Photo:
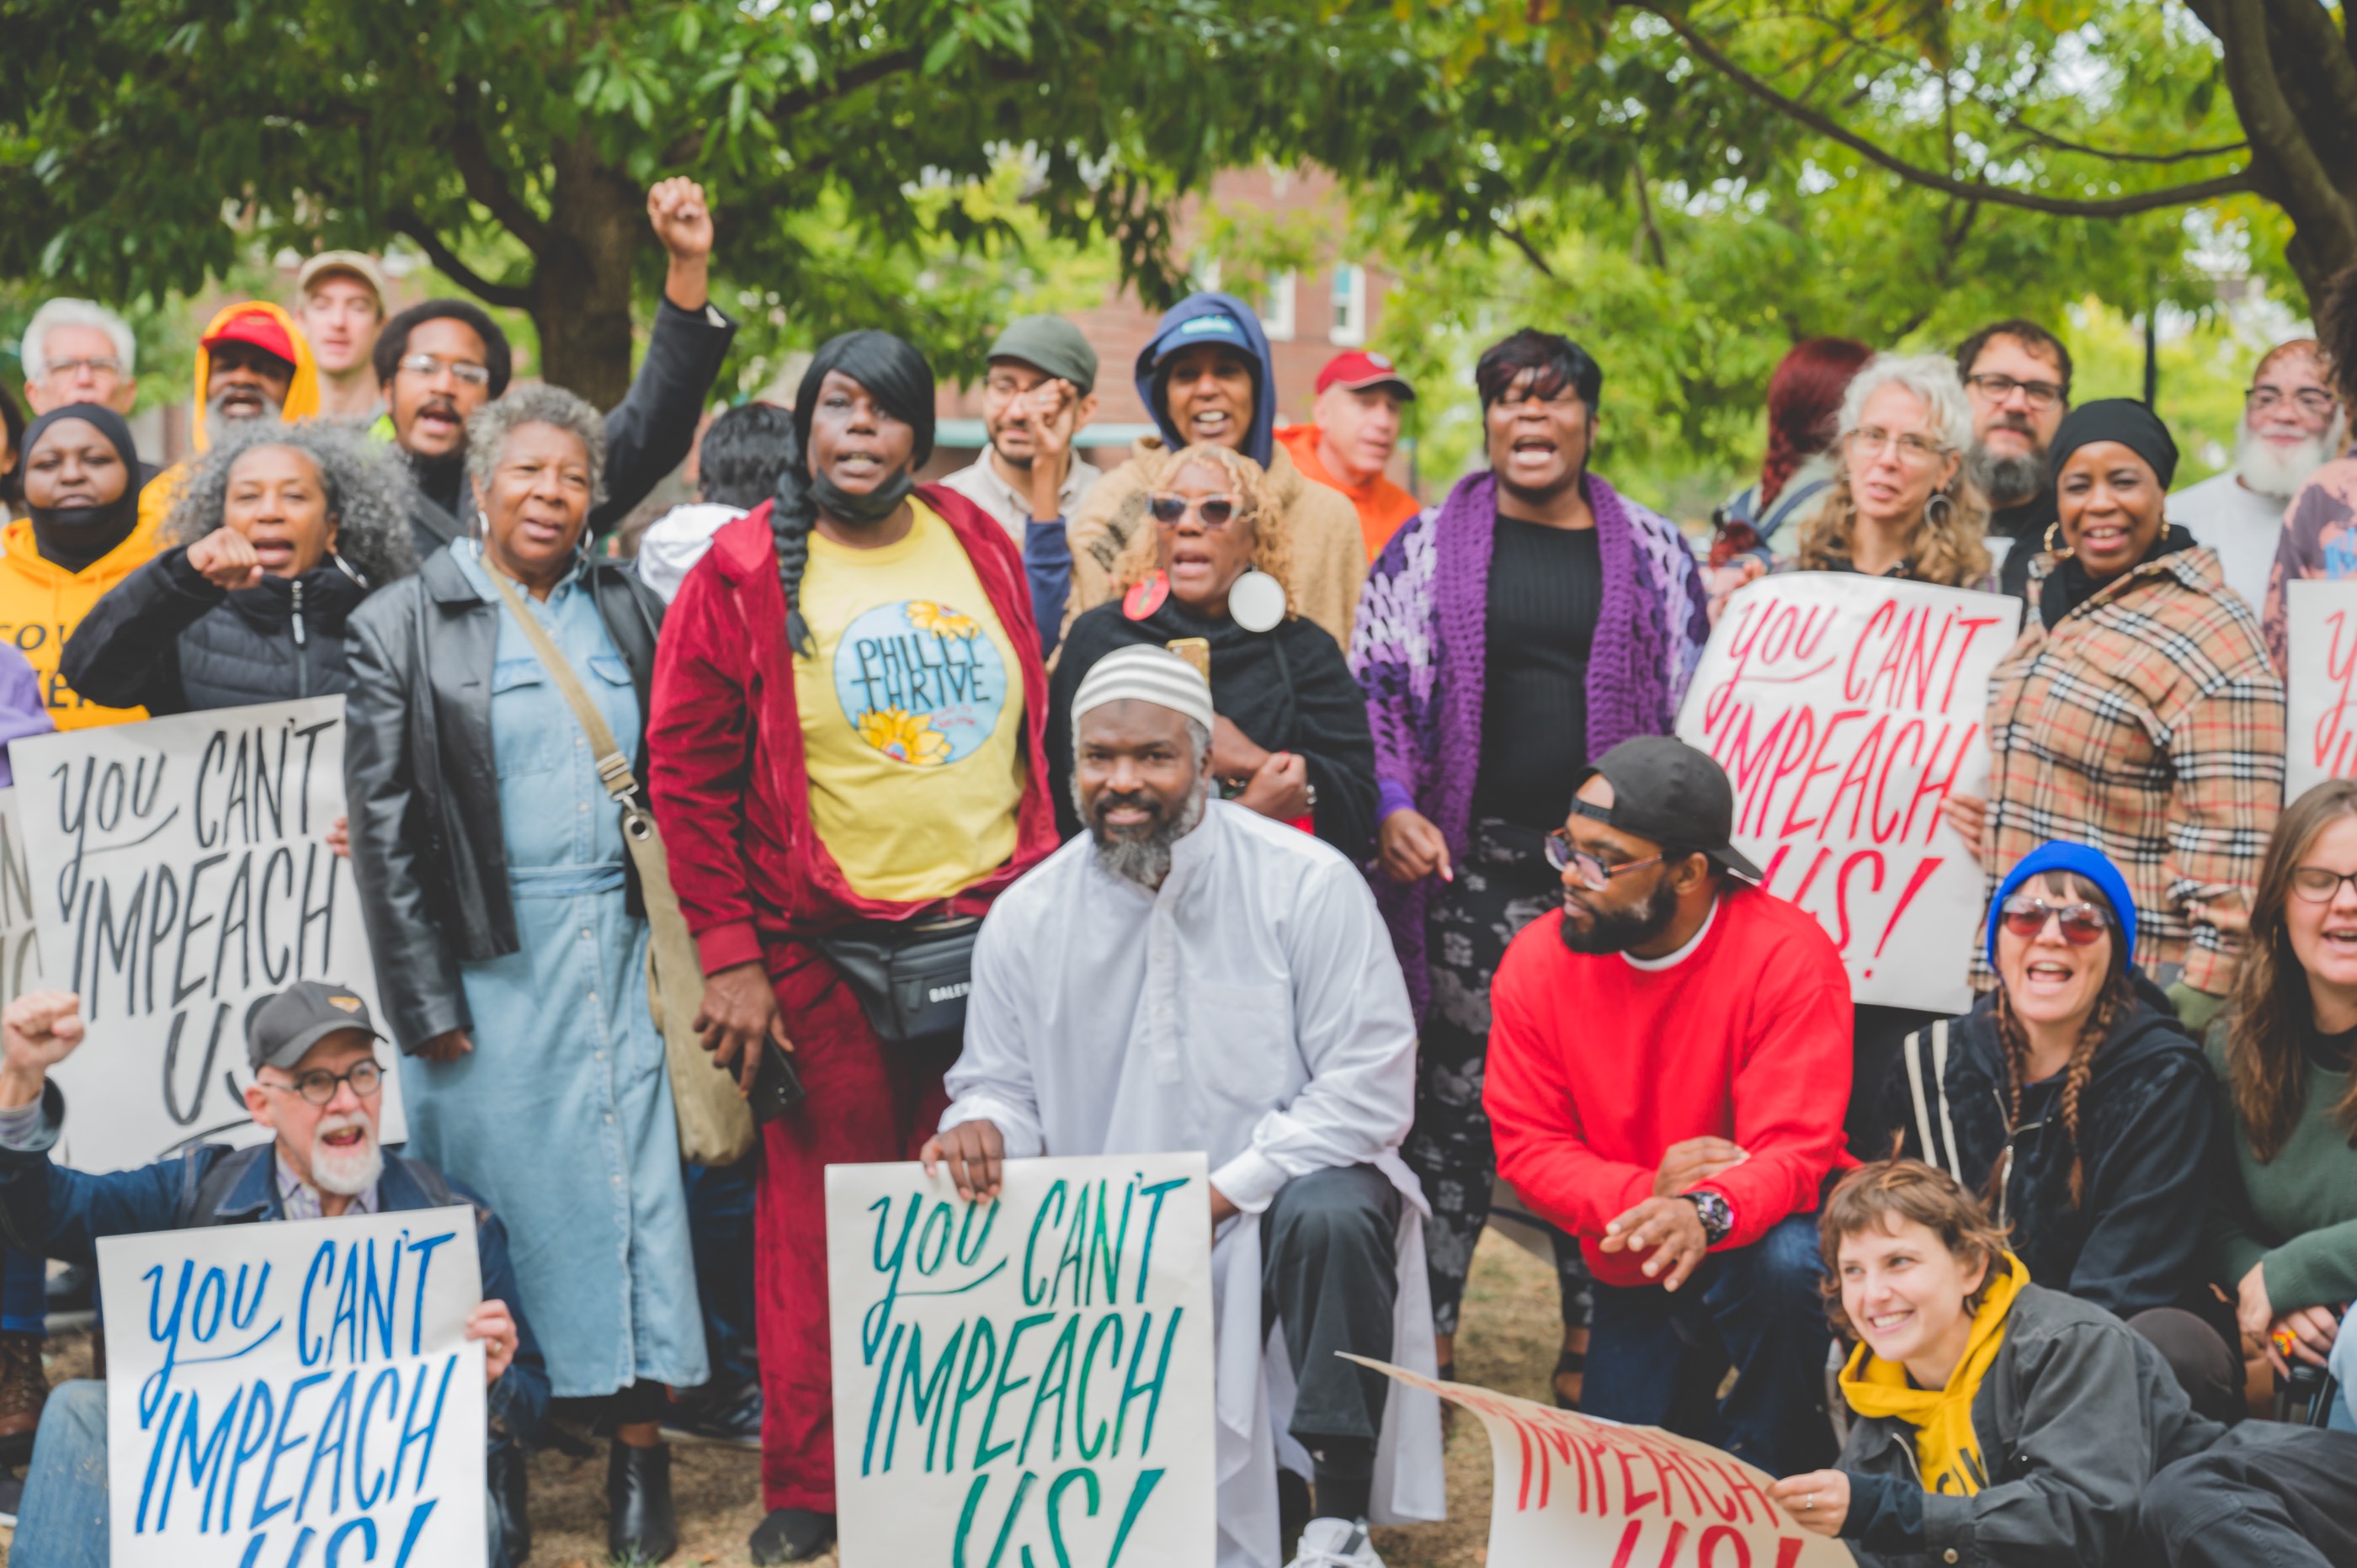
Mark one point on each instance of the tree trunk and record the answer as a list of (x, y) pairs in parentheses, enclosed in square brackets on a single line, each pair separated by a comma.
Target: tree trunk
[(581, 289)]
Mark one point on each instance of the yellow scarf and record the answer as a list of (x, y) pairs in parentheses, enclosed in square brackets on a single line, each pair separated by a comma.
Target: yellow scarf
[(1943, 1418)]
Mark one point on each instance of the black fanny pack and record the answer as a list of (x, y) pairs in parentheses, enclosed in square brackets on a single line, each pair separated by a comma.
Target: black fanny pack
[(911, 977)]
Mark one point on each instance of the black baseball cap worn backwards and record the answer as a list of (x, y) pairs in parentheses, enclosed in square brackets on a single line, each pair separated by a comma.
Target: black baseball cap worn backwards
[(1665, 790)]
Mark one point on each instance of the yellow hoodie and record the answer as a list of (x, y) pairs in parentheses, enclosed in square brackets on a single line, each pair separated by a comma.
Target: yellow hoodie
[(301, 402), (1946, 1443), (41, 602)]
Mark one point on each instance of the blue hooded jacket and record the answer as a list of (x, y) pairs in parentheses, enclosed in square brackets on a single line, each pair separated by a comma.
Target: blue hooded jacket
[(1209, 317)]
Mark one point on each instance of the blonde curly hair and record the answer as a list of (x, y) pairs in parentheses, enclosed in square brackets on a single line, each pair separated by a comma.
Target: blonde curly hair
[(1272, 541), (1947, 548)]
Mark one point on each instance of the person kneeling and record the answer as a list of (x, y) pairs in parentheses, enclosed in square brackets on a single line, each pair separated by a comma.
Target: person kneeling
[(1223, 982), (318, 1088)]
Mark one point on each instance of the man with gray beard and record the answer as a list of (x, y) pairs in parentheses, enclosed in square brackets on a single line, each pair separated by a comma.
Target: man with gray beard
[(2018, 376), (1190, 974), (318, 1089), (2292, 425)]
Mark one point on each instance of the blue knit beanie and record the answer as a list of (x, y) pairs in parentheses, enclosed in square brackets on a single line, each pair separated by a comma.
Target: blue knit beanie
[(2087, 862)]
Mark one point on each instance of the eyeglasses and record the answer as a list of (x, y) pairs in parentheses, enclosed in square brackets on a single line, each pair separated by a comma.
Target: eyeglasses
[(1996, 389), (1911, 448), (2314, 400), (318, 1086), (467, 371), (1593, 874), (2317, 886), (2083, 924), (96, 366), (1217, 512)]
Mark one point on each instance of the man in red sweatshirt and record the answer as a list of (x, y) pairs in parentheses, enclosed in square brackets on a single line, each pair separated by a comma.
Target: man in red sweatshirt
[(1669, 1063)]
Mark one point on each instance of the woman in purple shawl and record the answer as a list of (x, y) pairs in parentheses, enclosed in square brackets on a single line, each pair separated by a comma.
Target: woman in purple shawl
[(1533, 621)]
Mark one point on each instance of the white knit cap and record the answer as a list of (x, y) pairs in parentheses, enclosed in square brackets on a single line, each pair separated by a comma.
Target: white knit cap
[(1147, 674)]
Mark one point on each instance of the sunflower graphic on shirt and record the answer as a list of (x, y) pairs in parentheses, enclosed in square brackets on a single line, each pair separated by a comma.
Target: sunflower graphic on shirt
[(904, 736), (940, 619), (920, 682)]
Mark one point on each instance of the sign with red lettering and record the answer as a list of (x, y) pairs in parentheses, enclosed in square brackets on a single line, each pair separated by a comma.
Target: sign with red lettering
[(1565, 1487), (2319, 684), (1845, 709)]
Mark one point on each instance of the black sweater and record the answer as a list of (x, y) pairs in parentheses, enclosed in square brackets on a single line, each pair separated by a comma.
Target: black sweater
[(1287, 689)]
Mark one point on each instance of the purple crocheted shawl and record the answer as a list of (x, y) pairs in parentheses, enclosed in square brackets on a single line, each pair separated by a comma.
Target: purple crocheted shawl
[(1419, 649)]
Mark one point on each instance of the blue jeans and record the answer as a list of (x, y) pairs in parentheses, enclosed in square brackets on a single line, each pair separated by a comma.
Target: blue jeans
[(24, 1293), (1656, 1357), (63, 1520)]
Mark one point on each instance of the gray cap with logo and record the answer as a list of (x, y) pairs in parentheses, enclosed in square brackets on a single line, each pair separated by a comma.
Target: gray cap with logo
[(278, 1032)]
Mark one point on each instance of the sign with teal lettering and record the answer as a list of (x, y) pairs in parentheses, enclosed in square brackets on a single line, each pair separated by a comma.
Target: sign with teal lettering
[(280, 1396), (1024, 1383)]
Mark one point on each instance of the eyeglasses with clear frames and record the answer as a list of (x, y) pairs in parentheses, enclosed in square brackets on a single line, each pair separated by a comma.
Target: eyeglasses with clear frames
[(96, 364), (1997, 388), (467, 371), (2314, 402), (1910, 447)]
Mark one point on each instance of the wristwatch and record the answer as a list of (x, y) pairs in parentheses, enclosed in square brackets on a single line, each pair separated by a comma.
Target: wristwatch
[(1718, 1215)]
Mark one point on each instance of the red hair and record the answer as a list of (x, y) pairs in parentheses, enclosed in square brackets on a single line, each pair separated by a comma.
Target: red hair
[(1804, 396)]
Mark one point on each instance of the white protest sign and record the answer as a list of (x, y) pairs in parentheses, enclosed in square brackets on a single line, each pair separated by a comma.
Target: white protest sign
[(295, 1393), (1845, 709), (2321, 658), (1026, 1380), (20, 947), (1566, 1487), (179, 876)]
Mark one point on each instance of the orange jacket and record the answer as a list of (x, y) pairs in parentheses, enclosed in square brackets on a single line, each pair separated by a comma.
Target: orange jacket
[(302, 403), (41, 602), (1382, 506)]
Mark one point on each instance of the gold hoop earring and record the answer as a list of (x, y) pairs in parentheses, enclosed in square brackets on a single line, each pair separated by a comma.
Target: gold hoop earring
[(2052, 530)]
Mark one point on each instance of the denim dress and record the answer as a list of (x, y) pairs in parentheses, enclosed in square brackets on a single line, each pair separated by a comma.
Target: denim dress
[(561, 1115)]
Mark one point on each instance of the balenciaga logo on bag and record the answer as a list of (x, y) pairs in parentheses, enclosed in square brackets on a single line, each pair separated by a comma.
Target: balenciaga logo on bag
[(948, 993)]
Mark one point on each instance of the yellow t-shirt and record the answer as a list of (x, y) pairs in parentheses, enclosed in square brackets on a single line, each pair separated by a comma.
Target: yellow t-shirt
[(911, 715)]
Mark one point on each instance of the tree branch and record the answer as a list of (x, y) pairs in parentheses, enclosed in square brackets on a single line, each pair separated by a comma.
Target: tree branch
[(1970, 190), (407, 221), (2306, 23), (1651, 231), (485, 184), (803, 100), (2191, 154), (2312, 200), (1513, 231)]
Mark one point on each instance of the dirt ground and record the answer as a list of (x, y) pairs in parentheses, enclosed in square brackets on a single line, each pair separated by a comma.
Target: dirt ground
[(1509, 1343)]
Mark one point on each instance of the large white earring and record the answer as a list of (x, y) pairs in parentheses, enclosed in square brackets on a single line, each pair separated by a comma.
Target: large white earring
[(1256, 601)]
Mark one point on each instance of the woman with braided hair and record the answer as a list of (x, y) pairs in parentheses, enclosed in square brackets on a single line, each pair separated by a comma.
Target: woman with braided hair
[(844, 745), (2072, 1101)]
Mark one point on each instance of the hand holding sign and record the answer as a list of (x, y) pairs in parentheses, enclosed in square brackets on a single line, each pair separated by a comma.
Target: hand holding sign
[(975, 1153), (1817, 1501)]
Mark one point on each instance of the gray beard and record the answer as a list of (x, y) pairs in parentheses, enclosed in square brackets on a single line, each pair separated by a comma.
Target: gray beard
[(1144, 858), (2007, 481), (272, 409), (2277, 475)]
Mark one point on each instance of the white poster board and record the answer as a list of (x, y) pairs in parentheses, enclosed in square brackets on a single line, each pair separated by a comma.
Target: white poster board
[(296, 1393), (20, 945), (1026, 1379), (1568, 1489), (1845, 709), (180, 875), (2319, 684)]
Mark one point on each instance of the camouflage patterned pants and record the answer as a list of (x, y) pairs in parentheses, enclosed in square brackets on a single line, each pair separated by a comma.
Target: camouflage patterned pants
[(1504, 884)]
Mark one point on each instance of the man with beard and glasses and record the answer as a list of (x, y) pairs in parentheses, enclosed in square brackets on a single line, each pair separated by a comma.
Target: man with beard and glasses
[(2292, 425), (1224, 982), (2319, 527), (2018, 376), (253, 362), (317, 1089), (1669, 1066)]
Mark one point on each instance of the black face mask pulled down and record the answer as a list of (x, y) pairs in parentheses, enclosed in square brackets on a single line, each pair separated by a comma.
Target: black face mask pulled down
[(76, 537), (866, 510)]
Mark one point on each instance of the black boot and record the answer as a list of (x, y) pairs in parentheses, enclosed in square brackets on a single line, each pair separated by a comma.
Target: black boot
[(640, 1521), (790, 1535), (510, 1489)]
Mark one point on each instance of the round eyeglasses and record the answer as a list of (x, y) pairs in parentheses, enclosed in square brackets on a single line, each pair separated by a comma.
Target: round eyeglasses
[(318, 1086)]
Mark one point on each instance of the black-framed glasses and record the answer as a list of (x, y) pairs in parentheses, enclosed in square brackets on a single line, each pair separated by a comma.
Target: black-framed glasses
[(2314, 402), (1996, 389), (2081, 924), (2316, 885), (467, 371), (318, 1086), (1217, 512), (1593, 874)]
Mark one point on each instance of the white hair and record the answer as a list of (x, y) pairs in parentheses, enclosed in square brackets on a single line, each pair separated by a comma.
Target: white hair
[(60, 313), (1932, 378)]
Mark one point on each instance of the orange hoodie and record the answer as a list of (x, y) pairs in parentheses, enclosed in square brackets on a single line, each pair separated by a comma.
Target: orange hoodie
[(1382, 506), (301, 402), (41, 602)]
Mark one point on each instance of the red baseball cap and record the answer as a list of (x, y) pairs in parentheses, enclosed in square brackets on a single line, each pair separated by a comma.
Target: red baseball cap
[(1359, 370), (259, 328)]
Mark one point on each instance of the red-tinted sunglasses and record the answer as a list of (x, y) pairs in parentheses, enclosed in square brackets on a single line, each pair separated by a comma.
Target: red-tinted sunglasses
[(2083, 924)]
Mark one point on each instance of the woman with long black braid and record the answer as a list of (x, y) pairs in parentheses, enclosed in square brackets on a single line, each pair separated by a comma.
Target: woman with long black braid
[(2073, 1102), (846, 734)]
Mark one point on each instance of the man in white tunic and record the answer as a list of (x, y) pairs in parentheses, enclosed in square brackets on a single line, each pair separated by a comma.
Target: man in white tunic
[(1191, 975)]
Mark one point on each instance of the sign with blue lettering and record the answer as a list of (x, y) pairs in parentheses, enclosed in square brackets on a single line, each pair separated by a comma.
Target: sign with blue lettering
[(1026, 1380), (179, 876), (296, 1393)]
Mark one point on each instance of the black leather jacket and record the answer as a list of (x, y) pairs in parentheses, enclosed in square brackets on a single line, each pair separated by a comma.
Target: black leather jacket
[(167, 640), (428, 848)]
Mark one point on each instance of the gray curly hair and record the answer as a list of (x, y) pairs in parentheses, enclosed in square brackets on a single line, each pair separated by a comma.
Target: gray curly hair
[(488, 429), (368, 488)]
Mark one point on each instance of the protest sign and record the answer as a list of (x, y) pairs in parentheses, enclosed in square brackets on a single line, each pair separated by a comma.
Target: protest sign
[(20, 947), (179, 876), (1027, 1379), (2321, 658), (1845, 709), (295, 1393), (1566, 1487)]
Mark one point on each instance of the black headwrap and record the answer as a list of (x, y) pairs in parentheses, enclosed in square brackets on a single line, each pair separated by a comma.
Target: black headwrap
[(896, 376), (75, 536), (2135, 427)]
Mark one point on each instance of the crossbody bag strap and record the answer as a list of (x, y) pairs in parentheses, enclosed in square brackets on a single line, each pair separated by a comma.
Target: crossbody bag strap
[(613, 767)]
